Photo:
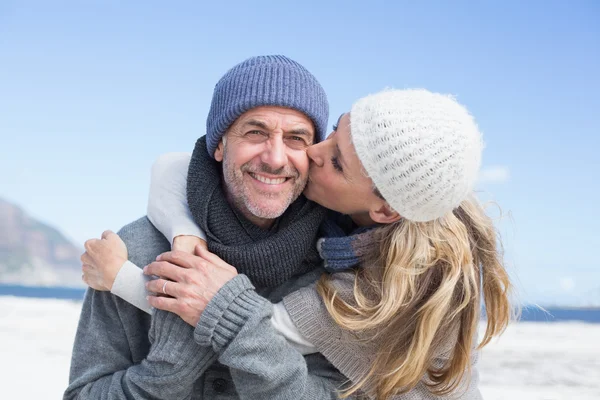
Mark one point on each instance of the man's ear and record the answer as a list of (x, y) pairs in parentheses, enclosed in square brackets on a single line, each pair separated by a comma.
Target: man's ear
[(219, 150), (384, 214)]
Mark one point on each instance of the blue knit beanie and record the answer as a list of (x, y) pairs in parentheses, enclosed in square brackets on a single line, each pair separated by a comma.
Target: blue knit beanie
[(265, 81)]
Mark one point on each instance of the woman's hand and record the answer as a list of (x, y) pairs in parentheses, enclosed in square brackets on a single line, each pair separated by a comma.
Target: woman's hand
[(188, 243), (190, 281), (102, 260)]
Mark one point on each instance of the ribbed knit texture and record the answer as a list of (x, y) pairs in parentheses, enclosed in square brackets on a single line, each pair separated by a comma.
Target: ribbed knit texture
[(173, 342), (268, 257), (341, 249), (265, 81), (113, 357), (352, 353), (226, 315), (421, 149), (121, 352), (348, 351)]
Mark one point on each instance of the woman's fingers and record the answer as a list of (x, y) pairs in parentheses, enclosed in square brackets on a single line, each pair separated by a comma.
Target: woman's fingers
[(89, 244), (91, 277), (115, 242), (86, 259), (180, 258), (187, 243), (213, 258)]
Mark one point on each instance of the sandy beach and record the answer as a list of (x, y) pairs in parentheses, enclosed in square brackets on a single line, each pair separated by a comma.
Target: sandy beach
[(533, 361)]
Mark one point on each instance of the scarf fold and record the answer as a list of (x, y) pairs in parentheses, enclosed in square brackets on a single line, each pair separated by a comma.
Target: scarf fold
[(343, 244), (268, 257)]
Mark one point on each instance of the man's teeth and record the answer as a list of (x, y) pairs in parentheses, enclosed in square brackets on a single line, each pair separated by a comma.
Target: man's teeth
[(268, 181)]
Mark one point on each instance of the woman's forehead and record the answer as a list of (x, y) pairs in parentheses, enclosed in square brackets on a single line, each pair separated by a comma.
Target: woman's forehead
[(337, 123), (346, 145)]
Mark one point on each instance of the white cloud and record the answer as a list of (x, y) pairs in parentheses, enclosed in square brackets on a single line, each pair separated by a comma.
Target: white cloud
[(496, 174), (567, 284)]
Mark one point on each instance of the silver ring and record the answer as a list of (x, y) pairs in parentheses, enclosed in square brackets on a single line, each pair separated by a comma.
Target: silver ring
[(164, 287)]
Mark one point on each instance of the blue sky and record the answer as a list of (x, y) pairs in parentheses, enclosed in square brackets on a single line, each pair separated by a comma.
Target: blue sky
[(91, 92)]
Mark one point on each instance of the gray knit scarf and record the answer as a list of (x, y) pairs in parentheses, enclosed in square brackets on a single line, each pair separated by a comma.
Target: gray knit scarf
[(268, 257)]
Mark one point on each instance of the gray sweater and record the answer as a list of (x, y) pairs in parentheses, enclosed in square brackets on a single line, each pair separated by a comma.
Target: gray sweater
[(121, 352), (352, 353)]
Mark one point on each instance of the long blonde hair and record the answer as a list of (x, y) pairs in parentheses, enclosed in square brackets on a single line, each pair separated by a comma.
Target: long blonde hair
[(431, 278)]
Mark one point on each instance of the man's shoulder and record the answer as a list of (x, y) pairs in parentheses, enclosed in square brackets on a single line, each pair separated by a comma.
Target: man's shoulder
[(144, 242)]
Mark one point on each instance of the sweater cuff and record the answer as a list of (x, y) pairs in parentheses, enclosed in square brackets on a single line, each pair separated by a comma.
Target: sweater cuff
[(130, 285), (300, 306), (171, 339), (227, 313), (174, 356)]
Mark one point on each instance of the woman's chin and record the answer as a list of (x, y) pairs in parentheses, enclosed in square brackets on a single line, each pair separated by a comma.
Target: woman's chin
[(309, 193), (312, 196)]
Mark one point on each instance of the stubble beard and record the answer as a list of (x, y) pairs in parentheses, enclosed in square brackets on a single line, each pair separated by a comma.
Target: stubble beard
[(240, 196)]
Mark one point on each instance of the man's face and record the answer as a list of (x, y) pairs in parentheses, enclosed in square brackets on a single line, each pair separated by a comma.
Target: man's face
[(265, 166)]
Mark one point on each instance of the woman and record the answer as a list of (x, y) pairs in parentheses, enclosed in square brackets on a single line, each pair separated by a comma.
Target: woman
[(417, 250)]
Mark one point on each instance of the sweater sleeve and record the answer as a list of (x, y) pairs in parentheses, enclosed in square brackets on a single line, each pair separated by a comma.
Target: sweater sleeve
[(130, 285), (167, 202), (102, 365), (283, 324), (351, 356), (236, 324), (120, 353)]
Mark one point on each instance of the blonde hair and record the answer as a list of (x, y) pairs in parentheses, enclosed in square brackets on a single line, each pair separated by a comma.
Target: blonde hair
[(430, 283)]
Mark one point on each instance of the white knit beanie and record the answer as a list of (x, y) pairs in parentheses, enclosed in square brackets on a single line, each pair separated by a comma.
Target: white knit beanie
[(421, 149)]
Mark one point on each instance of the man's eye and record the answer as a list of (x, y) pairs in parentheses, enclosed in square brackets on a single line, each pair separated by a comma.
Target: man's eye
[(255, 133), (296, 142)]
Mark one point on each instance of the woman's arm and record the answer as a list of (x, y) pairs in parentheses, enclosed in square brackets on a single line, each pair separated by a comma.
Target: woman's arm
[(167, 202), (106, 268), (168, 192), (169, 213), (349, 352)]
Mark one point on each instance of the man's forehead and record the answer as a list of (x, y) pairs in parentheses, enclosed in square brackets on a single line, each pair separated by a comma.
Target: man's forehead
[(276, 116)]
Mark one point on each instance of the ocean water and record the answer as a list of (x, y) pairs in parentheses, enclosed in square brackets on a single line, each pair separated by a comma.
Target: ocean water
[(556, 314), (529, 313), (64, 293)]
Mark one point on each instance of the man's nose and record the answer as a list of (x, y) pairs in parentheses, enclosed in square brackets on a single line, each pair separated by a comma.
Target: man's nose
[(275, 155)]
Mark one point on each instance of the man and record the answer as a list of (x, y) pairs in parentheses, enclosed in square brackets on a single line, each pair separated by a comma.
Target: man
[(244, 184)]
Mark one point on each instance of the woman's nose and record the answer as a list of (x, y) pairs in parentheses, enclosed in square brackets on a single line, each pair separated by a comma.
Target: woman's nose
[(315, 153)]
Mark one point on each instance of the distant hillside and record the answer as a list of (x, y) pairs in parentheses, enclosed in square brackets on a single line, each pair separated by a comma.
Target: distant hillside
[(33, 253)]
